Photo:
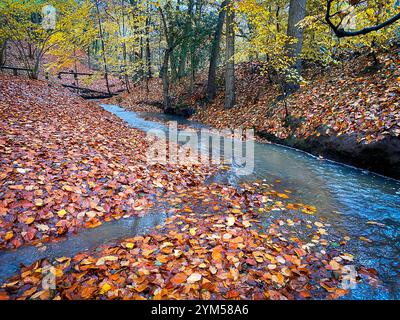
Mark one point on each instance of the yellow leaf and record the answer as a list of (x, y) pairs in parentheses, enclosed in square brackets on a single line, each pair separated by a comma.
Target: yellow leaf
[(67, 188), (9, 235), (347, 256), (365, 239), (105, 288), (129, 245), (258, 255), (246, 224), (30, 220), (39, 202), (61, 213), (102, 260)]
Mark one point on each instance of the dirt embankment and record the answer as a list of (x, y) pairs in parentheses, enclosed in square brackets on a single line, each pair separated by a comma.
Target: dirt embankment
[(381, 156), (350, 113)]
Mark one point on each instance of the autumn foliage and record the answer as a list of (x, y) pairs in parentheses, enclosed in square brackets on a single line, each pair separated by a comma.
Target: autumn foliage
[(67, 164)]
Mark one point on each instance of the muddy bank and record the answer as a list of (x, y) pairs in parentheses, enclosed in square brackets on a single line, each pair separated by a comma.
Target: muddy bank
[(381, 157)]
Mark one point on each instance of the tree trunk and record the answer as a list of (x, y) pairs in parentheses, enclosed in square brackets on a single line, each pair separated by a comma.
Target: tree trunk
[(192, 68), (297, 12), (174, 72), (89, 58), (165, 81), (184, 46), (230, 51), (215, 49), (3, 52), (75, 68), (36, 68), (182, 60), (148, 51), (103, 47)]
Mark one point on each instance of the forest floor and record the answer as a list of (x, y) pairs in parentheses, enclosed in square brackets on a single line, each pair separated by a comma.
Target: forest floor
[(66, 164), (349, 113)]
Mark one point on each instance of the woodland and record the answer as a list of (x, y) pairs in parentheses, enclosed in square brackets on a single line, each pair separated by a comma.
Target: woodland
[(318, 81)]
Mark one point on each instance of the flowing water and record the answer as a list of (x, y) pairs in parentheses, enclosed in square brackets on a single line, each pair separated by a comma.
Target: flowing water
[(347, 198), (85, 240)]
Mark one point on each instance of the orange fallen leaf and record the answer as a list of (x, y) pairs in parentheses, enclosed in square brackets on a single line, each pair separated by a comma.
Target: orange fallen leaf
[(178, 278)]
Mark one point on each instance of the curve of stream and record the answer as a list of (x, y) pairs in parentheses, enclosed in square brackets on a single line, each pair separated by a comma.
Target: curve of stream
[(354, 202)]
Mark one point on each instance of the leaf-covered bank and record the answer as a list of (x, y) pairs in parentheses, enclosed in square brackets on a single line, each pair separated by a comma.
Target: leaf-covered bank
[(68, 164)]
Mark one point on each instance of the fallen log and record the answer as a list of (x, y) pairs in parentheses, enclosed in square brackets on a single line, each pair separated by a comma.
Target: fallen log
[(90, 93)]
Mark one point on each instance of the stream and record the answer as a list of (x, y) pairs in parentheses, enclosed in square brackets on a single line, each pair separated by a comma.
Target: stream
[(356, 203), (347, 198)]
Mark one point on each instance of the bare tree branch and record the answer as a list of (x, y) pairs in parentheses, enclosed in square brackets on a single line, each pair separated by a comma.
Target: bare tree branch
[(341, 33)]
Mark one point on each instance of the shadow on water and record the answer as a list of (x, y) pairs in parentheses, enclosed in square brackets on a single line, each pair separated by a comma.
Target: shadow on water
[(347, 198)]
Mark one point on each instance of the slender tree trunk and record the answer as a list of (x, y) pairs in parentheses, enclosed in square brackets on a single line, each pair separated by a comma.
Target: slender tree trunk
[(148, 56), (3, 52), (230, 51), (184, 48), (125, 55), (89, 58), (215, 49), (103, 48), (297, 12), (165, 80), (124, 52), (76, 68), (174, 72), (36, 67), (192, 68), (182, 60), (30, 50), (148, 51), (164, 69)]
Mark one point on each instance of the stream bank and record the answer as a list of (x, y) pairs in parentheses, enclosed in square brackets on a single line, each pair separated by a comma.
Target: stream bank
[(348, 204), (382, 157), (357, 204)]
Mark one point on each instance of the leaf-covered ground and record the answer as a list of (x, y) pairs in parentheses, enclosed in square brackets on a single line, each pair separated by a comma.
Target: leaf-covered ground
[(142, 98), (351, 99), (67, 164), (212, 246)]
